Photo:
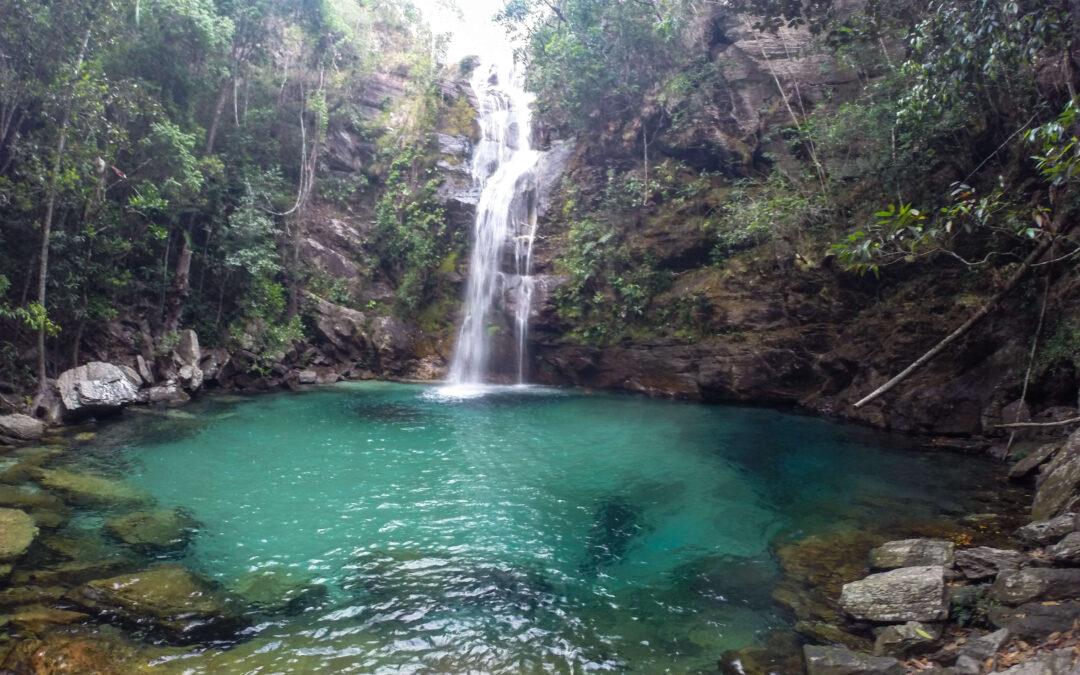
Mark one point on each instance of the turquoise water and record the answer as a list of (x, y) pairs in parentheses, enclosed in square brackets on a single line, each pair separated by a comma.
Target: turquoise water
[(526, 530)]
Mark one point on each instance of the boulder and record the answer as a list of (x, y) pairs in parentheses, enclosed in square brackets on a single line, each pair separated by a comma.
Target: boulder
[(169, 393), (87, 489), (17, 532), (1045, 532), (1034, 460), (912, 553), (837, 661), (1066, 551), (986, 646), (908, 639), (1058, 482), (36, 618), (191, 377), (95, 388), (1057, 662), (21, 427), (307, 377), (1035, 621), (154, 531), (905, 594), (187, 351), (279, 590), (183, 607), (821, 632), (983, 562), (1021, 586), (27, 499)]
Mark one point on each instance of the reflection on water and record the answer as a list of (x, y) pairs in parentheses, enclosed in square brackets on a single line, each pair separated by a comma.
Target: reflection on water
[(394, 528)]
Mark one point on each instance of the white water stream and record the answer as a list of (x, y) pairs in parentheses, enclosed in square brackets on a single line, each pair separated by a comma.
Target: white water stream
[(499, 270)]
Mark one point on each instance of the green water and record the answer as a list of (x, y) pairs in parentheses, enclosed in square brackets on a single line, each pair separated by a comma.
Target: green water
[(525, 530)]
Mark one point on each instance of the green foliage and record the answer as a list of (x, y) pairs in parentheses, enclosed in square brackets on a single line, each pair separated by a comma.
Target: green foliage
[(758, 211), (1063, 346)]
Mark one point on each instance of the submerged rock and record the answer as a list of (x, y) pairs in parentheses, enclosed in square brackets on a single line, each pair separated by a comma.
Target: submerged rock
[(35, 618), (821, 632), (837, 661), (279, 590), (154, 531), (912, 553), (22, 498), (21, 427), (615, 524), (906, 594), (17, 532), (87, 489), (96, 388), (184, 607)]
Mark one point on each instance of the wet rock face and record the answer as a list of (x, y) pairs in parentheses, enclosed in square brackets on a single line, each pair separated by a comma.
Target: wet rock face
[(182, 606), (912, 553), (837, 661), (906, 594), (17, 532), (96, 388), (21, 427)]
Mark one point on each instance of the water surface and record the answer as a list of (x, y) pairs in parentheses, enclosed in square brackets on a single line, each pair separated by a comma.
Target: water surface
[(526, 530)]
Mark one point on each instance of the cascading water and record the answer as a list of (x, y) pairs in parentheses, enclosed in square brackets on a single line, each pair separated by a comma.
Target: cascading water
[(503, 170)]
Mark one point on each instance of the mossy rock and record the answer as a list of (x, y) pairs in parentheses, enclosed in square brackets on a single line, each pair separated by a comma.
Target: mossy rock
[(152, 532), (87, 489), (17, 532), (279, 590), (181, 606)]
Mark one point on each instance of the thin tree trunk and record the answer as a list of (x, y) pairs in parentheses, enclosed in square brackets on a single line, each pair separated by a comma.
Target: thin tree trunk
[(50, 204), (219, 108), (992, 304), (181, 288)]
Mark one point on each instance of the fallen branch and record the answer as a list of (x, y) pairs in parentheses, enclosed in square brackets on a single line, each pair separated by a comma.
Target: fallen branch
[(1032, 425), (1013, 281)]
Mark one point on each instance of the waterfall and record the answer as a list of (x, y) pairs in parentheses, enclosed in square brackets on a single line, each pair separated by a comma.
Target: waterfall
[(503, 170)]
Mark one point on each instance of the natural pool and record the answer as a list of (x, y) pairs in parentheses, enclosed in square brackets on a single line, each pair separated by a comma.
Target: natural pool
[(526, 530)]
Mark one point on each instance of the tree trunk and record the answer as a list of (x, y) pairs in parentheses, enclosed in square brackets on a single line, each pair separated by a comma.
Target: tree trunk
[(219, 108), (181, 288), (50, 205)]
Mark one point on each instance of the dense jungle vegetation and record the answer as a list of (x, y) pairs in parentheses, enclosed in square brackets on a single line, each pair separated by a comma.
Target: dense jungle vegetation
[(158, 157)]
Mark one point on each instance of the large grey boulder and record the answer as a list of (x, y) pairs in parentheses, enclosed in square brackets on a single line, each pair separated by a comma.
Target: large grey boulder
[(838, 661), (1066, 551), (1059, 482), (912, 553), (983, 562), (95, 388), (906, 594), (985, 646), (1034, 460), (21, 427), (1043, 532), (1016, 588)]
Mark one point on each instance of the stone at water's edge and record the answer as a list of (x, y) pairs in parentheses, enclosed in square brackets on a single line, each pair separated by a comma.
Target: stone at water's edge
[(906, 594), (1037, 458), (1035, 621), (17, 532), (1043, 532), (983, 562), (1059, 482), (21, 427), (912, 553), (186, 608), (1017, 587), (905, 640), (96, 388), (837, 661)]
